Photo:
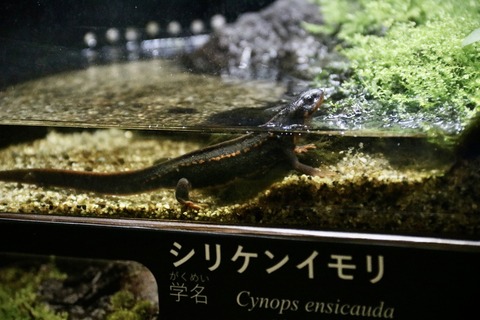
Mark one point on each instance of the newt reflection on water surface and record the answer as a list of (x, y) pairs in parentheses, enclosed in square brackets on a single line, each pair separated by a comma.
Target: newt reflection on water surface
[(213, 165)]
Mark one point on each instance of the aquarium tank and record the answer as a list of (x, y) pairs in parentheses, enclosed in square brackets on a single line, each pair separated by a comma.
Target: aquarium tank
[(150, 149)]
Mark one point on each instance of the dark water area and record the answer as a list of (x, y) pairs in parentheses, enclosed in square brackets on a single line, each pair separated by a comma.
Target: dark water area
[(48, 36)]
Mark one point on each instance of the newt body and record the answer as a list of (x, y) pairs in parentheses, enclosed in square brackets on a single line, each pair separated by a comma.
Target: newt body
[(213, 165)]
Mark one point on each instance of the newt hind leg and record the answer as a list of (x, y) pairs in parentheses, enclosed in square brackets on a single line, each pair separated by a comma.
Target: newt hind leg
[(304, 148), (182, 194)]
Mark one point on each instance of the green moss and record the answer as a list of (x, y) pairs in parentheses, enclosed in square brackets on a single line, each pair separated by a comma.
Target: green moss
[(18, 293), (408, 54)]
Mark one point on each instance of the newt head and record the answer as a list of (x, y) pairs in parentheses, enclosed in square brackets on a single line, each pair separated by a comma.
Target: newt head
[(299, 112)]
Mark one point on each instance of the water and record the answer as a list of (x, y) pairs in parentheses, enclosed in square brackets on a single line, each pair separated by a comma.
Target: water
[(151, 94), (159, 95)]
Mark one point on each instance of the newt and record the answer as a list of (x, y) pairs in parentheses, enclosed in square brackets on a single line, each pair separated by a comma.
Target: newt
[(214, 165)]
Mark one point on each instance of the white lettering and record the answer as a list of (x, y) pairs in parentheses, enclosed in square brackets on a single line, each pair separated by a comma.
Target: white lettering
[(250, 302), (246, 300), (341, 308), (239, 296)]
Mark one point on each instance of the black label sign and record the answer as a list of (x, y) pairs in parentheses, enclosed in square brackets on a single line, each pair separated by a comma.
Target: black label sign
[(218, 272), (265, 278)]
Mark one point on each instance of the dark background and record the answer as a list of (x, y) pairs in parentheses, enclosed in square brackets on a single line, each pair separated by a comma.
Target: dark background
[(45, 36), (65, 22)]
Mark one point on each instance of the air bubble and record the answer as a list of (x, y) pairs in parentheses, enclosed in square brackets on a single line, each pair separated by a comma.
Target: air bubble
[(132, 34), (197, 26), (174, 28), (90, 39), (217, 22), (152, 29), (112, 35)]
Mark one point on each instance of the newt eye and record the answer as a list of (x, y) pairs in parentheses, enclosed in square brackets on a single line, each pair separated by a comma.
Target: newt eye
[(308, 99)]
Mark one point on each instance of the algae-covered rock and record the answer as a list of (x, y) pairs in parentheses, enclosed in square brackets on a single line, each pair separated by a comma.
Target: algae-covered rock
[(19, 292)]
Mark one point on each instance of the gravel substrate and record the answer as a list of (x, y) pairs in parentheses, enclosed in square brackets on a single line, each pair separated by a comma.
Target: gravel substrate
[(369, 186)]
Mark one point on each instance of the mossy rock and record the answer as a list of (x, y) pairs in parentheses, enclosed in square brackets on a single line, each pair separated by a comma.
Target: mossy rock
[(409, 66)]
